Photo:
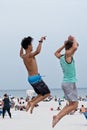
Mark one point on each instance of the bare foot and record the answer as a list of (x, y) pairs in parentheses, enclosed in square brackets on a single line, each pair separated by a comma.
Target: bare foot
[(28, 105), (32, 107), (55, 121)]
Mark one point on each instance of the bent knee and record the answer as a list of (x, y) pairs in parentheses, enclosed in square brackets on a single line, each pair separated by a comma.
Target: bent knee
[(75, 104)]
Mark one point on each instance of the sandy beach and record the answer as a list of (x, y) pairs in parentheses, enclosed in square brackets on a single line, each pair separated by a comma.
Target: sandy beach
[(41, 119)]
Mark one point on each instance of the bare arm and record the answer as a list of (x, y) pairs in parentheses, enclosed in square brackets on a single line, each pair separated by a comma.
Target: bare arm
[(74, 47), (21, 52), (58, 52), (38, 49)]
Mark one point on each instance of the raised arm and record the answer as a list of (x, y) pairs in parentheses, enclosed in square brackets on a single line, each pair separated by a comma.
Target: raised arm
[(74, 47), (21, 52), (38, 49), (58, 53)]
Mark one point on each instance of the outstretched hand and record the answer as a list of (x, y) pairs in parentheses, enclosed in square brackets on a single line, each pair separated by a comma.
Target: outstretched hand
[(42, 38)]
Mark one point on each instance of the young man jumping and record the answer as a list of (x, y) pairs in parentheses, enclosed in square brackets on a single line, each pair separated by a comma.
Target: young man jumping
[(69, 79), (34, 77)]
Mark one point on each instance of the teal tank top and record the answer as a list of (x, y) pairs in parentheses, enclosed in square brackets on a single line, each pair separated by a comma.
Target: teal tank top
[(68, 70)]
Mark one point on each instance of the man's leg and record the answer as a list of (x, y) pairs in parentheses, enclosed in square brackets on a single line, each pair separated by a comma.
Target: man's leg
[(42, 89), (29, 102), (9, 113), (3, 112), (66, 110), (38, 99)]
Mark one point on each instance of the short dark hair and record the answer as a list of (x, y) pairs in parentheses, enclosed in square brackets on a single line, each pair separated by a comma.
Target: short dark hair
[(26, 41), (68, 44), (5, 95)]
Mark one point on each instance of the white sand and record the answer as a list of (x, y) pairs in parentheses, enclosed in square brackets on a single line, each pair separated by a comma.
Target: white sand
[(41, 119)]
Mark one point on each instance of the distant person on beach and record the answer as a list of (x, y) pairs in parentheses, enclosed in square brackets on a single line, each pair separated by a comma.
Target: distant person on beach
[(34, 77), (1, 105), (6, 105), (84, 111), (69, 79), (59, 102)]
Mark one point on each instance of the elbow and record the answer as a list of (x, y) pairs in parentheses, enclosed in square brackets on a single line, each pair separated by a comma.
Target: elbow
[(55, 53), (75, 48), (20, 55)]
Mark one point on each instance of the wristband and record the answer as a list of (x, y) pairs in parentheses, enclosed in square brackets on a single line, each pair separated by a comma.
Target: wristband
[(41, 41)]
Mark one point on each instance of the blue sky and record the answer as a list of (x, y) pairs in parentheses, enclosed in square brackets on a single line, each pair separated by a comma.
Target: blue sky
[(54, 18)]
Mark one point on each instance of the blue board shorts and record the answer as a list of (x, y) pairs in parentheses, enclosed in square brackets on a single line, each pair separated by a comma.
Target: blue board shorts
[(70, 91), (38, 85)]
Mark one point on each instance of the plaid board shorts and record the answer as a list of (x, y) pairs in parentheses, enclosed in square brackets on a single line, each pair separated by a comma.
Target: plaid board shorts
[(70, 91)]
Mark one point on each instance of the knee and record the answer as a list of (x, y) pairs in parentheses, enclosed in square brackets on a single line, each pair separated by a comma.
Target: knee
[(75, 104)]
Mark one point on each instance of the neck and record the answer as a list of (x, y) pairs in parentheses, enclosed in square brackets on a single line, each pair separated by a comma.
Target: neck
[(28, 50)]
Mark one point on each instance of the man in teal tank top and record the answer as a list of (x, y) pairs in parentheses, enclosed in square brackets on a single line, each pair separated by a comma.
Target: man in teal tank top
[(68, 69), (69, 77)]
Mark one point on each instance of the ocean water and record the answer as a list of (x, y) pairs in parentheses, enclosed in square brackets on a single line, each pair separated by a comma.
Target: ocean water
[(54, 92), (59, 92)]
